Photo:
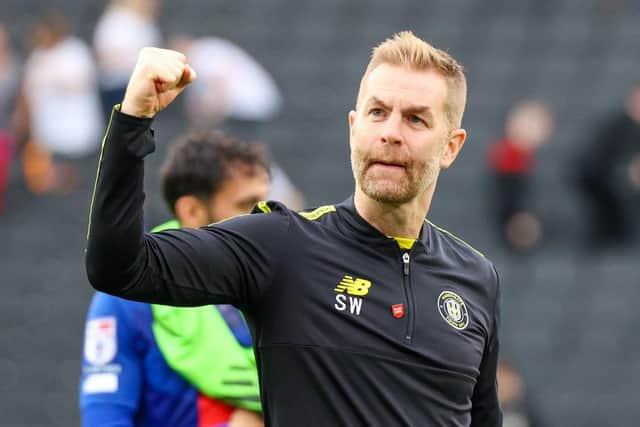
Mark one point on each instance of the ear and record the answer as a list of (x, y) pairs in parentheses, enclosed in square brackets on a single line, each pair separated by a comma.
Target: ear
[(190, 211), (454, 144), (352, 120)]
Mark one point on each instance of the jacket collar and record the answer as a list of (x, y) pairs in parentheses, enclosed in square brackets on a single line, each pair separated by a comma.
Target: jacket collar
[(362, 230)]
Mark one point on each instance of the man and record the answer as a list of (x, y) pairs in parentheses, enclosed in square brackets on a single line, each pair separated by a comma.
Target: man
[(512, 164), (154, 365), (606, 178), (56, 147), (363, 313)]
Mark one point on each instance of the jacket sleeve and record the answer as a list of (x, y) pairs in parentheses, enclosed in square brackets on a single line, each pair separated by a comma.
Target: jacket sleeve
[(485, 410), (109, 396), (229, 262)]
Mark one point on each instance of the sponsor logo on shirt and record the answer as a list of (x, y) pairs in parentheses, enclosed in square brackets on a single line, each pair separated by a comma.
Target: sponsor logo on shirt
[(100, 343), (100, 347), (453, 310), (348, 284), (100, 383), (349, 293)]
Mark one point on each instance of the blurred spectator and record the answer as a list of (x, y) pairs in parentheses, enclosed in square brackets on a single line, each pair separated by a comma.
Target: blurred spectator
[(231, 84), (608, 175), (517, 408), (511, 159), (8, 79), (124, 28), (634, 172), (8, 84), (235, 92), (6, 155), (155, 365), (58, 115)]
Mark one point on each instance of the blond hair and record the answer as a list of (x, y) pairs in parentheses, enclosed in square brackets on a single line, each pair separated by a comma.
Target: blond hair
[(406, 50)]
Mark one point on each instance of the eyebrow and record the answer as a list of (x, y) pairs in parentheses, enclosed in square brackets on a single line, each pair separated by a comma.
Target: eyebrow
[(423, 110)]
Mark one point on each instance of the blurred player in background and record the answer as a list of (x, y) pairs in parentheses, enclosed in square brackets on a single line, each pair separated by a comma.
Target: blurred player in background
[(152, 365)]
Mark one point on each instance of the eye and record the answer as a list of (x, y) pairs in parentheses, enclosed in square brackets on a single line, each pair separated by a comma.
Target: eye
[(416, 120), (376, 112)]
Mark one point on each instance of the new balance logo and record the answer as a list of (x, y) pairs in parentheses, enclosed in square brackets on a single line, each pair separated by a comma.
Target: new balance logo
[(359, 287), (355, 288)]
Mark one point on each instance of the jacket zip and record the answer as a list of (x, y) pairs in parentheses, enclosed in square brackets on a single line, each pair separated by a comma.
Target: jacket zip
[(406, 279)]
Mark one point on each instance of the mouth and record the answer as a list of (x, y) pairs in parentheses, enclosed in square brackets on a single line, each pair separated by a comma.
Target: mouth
[(389, 165)]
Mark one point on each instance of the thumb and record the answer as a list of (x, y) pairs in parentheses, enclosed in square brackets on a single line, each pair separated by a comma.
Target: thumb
[(188, 76)]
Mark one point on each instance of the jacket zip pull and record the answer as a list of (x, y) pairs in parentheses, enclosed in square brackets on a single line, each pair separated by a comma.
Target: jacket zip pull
[(405, 261)]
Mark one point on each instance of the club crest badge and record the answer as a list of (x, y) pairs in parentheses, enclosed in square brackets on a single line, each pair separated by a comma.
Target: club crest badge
[(453, 310)]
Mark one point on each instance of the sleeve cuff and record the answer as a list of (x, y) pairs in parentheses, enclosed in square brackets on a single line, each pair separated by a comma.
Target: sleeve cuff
[(132, 120), (135, 132)]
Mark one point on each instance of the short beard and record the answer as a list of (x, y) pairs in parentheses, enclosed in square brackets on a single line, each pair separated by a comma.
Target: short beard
[(419, 177)]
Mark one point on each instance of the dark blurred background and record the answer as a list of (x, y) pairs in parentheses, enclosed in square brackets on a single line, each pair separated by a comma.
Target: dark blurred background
[(568, 304)]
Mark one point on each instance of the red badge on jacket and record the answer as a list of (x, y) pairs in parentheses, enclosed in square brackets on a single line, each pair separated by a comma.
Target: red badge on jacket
[(397, 310)]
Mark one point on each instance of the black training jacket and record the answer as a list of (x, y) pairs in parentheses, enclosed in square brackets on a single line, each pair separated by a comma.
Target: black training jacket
[(349, 329)]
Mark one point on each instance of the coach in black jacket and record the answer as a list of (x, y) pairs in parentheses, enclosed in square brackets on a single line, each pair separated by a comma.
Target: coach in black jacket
[(363, 313)]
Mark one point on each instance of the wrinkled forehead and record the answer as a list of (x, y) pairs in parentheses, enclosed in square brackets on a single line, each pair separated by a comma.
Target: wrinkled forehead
[(404, 87)]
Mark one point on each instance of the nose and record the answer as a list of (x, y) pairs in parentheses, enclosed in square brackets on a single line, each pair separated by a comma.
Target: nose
[(391, 131)]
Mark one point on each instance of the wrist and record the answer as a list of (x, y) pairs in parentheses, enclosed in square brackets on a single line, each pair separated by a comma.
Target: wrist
[(129, 109)]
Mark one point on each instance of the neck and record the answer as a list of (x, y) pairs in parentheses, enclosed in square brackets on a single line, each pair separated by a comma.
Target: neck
[(396, 220)]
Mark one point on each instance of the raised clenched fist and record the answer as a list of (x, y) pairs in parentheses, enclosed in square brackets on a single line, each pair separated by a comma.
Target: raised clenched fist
[(158, 77)]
